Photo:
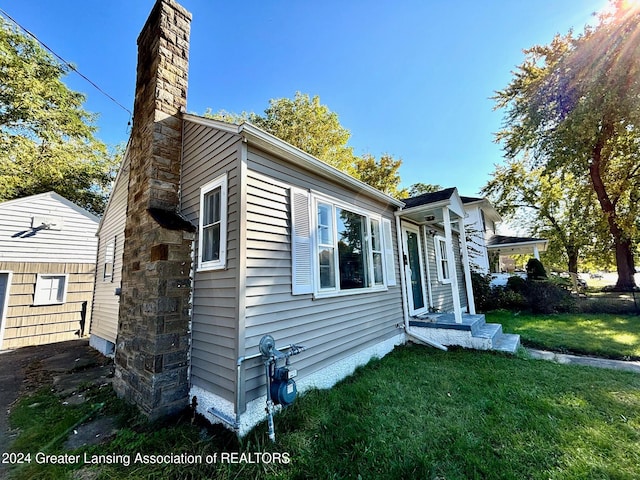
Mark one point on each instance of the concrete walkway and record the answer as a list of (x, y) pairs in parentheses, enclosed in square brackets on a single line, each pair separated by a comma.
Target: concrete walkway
[(588, 361)]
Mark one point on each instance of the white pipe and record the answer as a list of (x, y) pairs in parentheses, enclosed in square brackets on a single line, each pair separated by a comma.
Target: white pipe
[(424, 339)]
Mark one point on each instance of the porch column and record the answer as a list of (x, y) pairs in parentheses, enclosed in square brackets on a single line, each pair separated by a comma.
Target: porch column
[(451, 264), (471, 304), (536, 253)]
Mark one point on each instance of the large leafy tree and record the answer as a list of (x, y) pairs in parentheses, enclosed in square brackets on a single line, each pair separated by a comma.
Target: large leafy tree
[(47, 139), (311, 126), (555, 205), (574, 106)]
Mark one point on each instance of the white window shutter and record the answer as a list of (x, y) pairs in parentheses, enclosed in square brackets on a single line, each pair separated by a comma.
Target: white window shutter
[(389, 258), (301, 246)]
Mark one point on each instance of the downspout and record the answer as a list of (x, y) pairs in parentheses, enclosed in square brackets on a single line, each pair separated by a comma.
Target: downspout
[(405, 300)]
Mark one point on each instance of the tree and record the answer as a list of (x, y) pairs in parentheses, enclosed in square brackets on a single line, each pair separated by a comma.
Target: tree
[(555, 205), (46, 138), (420, 188), (380, 173), (574, 105), (309, 125)]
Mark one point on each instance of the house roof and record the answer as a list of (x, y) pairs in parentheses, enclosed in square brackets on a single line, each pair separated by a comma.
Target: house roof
[(274, 145), (516, 245), (54, 196), (427, 198), (497, 240), (427, 208), (484, 204)]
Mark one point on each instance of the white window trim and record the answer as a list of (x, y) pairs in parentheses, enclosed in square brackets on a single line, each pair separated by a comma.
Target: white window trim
[(37, 301), (219, 182), (442, 278), (109, 259), (336, 292)]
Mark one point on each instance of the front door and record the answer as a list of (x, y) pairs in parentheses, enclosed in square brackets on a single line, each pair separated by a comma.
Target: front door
[(413, 270)]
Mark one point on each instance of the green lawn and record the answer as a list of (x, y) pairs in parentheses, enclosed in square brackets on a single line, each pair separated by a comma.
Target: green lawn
[(419, 413), (606, 335)]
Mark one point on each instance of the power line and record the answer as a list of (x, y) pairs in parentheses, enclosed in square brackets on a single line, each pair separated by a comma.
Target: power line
[(67, 64)]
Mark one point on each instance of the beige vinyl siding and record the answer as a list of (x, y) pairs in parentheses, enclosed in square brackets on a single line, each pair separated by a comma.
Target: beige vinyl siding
[(106, 303), (207, 154), (331, 328), (26, 324), (74, 242)]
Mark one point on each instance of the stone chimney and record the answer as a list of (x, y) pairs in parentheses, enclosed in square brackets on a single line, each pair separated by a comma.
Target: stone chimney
[(153, 326)]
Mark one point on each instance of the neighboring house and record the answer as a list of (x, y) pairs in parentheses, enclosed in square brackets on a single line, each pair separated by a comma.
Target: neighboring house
[(488, 251), (47, 267), (231, 234)]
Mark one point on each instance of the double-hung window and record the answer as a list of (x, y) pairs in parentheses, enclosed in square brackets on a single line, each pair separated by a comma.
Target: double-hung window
[(212, 236), (109, 259), (349, 249), (338, 249), (442, 259)]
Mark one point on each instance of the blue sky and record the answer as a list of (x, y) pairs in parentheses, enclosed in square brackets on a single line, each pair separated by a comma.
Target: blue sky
[(409, 78)]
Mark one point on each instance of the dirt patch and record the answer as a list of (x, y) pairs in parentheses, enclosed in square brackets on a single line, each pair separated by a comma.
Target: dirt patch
[(68, 366)]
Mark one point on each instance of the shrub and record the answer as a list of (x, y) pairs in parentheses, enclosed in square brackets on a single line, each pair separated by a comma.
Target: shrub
[(537, 296), (544, 296), (517, 284), (535, 269), (482, 291)]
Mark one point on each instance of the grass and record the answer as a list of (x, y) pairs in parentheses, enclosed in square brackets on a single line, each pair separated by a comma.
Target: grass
[(604, 335), (417, 413)]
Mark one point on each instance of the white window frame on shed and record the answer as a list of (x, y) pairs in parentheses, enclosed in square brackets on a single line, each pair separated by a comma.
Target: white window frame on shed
[(44, 290), (442, 262), (315, 247), (220, 183)]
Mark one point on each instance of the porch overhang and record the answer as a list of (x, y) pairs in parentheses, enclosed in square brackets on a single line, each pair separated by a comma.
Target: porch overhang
[(432, 212), (516, 245)]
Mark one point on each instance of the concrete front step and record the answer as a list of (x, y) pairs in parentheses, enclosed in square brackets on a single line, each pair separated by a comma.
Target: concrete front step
[(473, 332), (507, 342)]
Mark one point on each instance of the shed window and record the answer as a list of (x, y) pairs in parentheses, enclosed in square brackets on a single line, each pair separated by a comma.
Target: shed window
[(213, 225), (50, 289)]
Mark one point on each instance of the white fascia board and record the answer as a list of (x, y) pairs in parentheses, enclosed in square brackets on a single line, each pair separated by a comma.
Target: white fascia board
[(258, 137), (519, 244)]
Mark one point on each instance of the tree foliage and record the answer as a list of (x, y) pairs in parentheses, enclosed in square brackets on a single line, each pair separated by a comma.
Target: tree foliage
[(420, 188), (306, 123), (46, 138), (574, 107), (555, 204)]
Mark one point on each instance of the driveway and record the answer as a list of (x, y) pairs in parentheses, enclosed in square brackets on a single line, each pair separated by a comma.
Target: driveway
[(27, 369)]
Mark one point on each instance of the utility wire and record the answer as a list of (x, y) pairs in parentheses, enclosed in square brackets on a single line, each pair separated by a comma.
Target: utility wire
[(67, 64)]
